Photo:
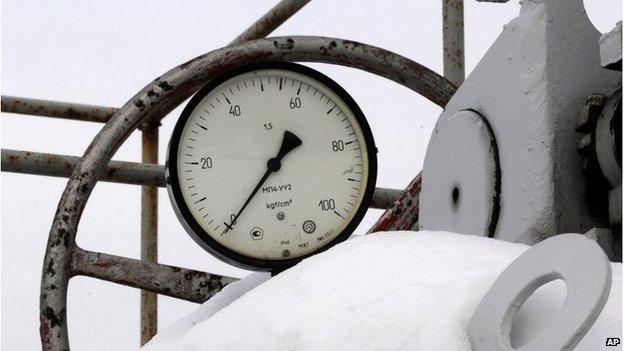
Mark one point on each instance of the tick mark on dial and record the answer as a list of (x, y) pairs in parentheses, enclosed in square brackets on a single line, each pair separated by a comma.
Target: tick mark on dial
[(299, 90), (226, 99), (331, 109), (200, 200), (338, 214), (200, 126), (350, 142)]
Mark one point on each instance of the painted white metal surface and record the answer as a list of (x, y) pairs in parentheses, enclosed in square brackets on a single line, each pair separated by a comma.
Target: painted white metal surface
[(462, 172), (611, 46), (573, 258), (530, 86)]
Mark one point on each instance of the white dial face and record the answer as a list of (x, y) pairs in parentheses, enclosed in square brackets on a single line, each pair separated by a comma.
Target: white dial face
[(303, 199)]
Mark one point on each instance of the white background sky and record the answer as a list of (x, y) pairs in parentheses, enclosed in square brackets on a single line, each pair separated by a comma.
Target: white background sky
[(103, 52)]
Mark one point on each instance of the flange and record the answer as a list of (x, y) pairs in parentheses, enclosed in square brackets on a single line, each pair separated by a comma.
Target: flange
[(461, 177)]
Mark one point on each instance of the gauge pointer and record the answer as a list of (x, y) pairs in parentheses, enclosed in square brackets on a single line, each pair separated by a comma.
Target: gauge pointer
[(289, 143)]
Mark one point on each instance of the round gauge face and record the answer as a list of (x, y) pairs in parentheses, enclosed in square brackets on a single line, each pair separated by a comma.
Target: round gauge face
[(270, 163)]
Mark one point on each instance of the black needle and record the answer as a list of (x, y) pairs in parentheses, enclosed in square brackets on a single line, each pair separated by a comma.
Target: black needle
[(289, 142)]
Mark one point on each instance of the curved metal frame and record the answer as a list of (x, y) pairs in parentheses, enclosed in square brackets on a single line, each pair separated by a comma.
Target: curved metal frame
[(65, 259)]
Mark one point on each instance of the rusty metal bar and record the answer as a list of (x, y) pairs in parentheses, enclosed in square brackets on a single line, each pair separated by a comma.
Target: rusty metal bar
[(54, 165), (181, 283), (58, 109), (149, 233), (146, 174), (403, 215), (271, 20), (453, 40)]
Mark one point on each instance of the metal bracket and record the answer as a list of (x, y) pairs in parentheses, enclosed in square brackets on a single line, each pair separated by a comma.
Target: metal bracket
[(575, 259)]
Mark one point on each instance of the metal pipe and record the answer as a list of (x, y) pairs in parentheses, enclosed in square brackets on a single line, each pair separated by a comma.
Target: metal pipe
[(453, 40), (384, 198), (149, 233), (271, 20), (146, 174), (58, 109), (181, 283), (54, 165)]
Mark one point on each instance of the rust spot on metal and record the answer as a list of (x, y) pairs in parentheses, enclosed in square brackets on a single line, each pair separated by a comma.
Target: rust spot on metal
[(139, 103), (55, 318), (164, 86), (45, 332)]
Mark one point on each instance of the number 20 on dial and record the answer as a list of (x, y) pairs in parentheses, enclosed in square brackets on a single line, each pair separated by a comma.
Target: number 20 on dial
[(271, 163)]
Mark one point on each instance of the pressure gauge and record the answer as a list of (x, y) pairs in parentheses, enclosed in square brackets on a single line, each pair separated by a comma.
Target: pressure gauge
[(270, 163)]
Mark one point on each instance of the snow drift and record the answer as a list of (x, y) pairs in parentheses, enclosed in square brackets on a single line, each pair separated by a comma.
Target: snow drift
[(386, 291)]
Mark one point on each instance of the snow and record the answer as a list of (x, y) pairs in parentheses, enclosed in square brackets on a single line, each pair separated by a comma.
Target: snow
[(391, 291)]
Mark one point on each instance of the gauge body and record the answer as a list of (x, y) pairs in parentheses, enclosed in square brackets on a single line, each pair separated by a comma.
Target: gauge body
[(270, 163)]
